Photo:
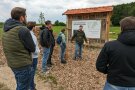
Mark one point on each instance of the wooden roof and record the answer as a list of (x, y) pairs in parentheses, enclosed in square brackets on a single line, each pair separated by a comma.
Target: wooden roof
[(89, 10)]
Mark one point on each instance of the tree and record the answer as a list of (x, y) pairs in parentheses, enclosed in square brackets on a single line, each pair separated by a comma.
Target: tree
[(122, 11), (41, 18), (62, 24), (56, 23)]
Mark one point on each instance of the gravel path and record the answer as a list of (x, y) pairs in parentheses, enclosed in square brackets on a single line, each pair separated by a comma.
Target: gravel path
[(75, 75)]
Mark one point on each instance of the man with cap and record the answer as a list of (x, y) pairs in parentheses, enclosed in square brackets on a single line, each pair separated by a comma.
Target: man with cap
[(117, 58), (79, 37)]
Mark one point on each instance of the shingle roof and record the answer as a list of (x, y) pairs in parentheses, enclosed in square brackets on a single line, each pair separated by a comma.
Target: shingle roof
[(89, 10)]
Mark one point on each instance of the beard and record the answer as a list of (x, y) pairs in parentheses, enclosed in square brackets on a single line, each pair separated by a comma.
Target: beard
[(25, 22)]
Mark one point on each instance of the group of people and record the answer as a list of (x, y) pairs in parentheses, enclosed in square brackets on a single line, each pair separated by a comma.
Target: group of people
[(20, 46)]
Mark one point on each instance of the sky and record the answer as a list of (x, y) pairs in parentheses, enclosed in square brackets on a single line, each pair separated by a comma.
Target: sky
[(52, 9)]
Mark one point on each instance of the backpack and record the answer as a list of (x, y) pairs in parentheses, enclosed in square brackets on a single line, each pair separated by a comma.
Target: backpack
[(59, 39)]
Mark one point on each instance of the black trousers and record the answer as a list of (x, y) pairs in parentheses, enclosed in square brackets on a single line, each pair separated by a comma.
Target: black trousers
[(49, 61)]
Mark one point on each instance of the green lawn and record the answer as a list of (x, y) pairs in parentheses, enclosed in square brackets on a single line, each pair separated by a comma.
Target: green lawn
[(57, 29), (115, 31), (0, 33)]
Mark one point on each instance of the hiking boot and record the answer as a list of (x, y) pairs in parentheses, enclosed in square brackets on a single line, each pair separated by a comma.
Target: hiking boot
[(74, 58), (49, 65), (63, 61), (80, 58), (44, 73)]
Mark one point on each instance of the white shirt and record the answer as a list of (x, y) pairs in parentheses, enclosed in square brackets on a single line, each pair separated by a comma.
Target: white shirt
[(35, 54)]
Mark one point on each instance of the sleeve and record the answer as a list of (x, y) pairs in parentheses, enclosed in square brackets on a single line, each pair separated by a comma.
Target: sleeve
[(73, 37), (102, 61), (26, 38), (37, 48), (63, 38), (46, 38), (85, 38)]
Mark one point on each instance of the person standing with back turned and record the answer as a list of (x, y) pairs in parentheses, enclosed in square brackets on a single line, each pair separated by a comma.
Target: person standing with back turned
[(62, 44), (18, 46), (117, 58)]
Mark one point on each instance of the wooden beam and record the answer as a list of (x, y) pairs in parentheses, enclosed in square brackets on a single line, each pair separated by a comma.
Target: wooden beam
[(108, 22), (67, 27)]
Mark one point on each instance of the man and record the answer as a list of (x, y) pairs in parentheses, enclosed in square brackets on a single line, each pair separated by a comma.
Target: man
[(79, 37), (117, 58), (46, 41), (18, 45), (31, 26), (49, 61)]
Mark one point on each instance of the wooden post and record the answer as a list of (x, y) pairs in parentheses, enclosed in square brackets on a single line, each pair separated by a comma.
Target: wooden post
[(108, 26), (67, 28)]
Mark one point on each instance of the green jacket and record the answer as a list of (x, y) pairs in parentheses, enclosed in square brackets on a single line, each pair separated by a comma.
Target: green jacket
[(79, 37), (17, 55)]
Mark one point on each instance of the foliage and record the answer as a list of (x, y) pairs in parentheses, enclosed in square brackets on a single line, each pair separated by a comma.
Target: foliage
[(115, 32), (57, 23), (121, 11), (41, 18)]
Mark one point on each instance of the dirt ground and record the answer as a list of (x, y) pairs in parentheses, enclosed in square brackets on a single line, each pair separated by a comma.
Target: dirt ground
[(75, 75)]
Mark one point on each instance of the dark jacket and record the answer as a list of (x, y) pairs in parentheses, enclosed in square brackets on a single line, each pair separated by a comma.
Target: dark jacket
[(17, 44), (46, 38), (117, 60), (79, 37), (53, 39)]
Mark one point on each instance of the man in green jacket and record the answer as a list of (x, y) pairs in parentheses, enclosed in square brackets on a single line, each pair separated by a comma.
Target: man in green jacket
[(79, 37), (18, 45)]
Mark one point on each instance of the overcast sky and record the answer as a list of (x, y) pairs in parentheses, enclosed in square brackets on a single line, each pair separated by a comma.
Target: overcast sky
[(52, 9)]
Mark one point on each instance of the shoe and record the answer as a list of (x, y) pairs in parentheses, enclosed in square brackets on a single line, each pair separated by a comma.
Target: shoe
[(80, 58), (44, 73), (46, 69), (49, 65), (74, 58), (35, 86), (63, 61)]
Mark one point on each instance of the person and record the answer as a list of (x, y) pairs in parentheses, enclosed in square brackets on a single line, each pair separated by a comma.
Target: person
[(18, 45), (62, 46), (79, 37), (117, 58), (49, 61), (35, 54), (46, 41)]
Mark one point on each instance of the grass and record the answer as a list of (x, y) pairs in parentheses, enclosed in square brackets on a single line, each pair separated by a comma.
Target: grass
[(3, 87), (0, 33), (116, 31), (114, 35), (47, 78), (57, 30)]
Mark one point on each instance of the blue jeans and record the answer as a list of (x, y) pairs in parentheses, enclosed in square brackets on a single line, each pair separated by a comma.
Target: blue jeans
[(109, 86), (34, 67), (63, 48), (46, 53), (78, 50), (23, 77)]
